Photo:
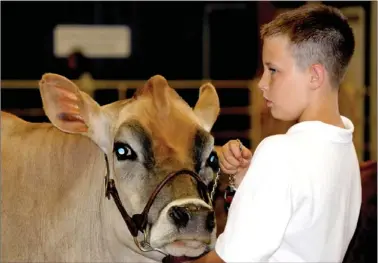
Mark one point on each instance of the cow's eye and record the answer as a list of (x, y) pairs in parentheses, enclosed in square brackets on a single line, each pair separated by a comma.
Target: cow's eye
[(124, 152), (213, 161)]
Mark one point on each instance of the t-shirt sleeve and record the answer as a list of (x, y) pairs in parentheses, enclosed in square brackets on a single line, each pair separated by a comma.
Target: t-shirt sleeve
[(261, 208)]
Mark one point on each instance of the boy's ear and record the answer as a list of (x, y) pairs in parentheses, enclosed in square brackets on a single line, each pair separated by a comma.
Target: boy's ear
[(317, 75), (74, 111)]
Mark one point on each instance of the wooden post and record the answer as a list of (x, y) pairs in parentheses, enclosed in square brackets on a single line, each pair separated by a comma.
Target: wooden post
[(122, 89), (265, 13), (373, 81), (255, 106), (87, 84), (353, 87)]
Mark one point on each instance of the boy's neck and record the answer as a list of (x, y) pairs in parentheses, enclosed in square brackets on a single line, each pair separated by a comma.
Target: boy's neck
[(324, 108)]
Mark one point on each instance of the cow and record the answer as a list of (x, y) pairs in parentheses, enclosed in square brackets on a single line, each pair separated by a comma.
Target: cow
[(122, 182)]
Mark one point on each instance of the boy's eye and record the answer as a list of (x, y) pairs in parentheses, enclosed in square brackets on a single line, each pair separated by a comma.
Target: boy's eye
[(272, 70)]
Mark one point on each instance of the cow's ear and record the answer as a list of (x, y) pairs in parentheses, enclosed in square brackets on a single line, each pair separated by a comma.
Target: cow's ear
[(207, 107), (74, 111)]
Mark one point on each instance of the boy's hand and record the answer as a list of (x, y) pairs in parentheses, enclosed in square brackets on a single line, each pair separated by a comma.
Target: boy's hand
[(234, 161)]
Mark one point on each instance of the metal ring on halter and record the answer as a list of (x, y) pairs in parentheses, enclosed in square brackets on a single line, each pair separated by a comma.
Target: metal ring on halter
[(145, 245)]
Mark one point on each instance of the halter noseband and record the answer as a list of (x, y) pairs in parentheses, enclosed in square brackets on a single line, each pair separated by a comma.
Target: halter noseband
[(138, 222)]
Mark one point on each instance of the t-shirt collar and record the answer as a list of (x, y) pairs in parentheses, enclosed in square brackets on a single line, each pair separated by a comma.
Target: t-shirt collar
[(318, 127)]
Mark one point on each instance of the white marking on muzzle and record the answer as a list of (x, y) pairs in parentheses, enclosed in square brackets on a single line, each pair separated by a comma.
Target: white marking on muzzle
[(185, 201), (163, 231)]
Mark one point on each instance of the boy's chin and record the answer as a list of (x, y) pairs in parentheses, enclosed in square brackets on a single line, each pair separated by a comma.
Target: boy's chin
[(282, 117)]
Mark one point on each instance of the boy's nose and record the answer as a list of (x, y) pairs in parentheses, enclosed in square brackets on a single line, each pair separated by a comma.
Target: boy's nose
[(263, 84)]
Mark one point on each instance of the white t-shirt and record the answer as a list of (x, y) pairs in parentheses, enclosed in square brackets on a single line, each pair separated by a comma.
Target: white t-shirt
[(300, 199)]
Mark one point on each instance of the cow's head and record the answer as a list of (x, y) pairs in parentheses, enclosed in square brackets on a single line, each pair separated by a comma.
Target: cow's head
[(147, 138)]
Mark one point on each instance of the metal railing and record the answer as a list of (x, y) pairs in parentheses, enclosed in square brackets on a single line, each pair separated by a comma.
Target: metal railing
[(260, 125), (123, 85)]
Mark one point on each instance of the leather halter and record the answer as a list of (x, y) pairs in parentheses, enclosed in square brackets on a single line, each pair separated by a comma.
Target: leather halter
[(138, 222)]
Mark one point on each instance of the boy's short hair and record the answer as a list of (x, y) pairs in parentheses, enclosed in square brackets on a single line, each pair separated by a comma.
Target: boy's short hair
[(318, 34)]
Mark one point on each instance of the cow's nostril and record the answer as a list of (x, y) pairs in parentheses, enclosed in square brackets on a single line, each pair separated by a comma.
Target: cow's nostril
[(180, 215), (210, 221)]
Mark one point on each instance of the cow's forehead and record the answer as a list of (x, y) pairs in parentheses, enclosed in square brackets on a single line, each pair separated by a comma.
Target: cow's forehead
[(174, 133)]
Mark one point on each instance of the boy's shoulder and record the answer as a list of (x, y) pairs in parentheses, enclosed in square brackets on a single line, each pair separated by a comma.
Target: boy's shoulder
[(271, 162), (283, 147), (273, 149), (274, 144)]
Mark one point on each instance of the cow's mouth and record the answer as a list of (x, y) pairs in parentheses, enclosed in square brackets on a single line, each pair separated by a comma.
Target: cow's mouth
[(185, 250), (182, 259)]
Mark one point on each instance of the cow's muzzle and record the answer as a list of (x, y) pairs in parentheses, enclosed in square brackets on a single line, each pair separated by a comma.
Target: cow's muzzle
[(138, 222)]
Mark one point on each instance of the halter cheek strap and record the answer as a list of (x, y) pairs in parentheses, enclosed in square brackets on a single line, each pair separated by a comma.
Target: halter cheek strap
[(138, 222)]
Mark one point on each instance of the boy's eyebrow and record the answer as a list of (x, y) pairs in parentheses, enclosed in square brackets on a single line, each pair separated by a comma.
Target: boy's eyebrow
[(269, 64)]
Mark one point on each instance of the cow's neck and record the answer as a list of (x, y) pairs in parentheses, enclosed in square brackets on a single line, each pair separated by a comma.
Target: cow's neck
[(118, 238), (68, 173), (84, 198)]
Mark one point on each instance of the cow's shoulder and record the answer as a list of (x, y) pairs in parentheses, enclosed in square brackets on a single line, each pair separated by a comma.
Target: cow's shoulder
[(12, 125), (9, 120)]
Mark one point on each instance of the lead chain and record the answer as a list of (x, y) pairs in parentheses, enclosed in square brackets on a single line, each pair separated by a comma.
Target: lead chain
[(231, 181), (214, 186)]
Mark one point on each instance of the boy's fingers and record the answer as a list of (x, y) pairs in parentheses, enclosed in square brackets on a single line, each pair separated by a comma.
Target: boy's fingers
[(227, 165), (226, 170), (223, 161), (246, 153), (234, 147), (229, 157), (245, 163)]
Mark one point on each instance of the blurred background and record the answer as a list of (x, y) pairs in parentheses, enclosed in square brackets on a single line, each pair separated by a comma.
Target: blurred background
[(111, 48)]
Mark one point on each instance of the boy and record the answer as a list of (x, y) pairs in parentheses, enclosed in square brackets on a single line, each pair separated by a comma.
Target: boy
[(300, 198)]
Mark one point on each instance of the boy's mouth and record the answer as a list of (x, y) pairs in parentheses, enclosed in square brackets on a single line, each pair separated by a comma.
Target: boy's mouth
[(268, 102)]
